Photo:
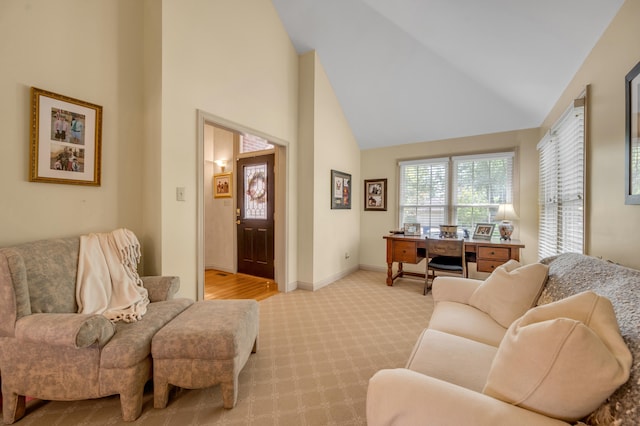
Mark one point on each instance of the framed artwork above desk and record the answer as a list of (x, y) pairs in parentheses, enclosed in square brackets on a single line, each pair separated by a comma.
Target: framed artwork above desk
[(487, 254)]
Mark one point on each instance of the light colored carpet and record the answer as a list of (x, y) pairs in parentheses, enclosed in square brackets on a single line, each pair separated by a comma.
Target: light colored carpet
[(317, 351)]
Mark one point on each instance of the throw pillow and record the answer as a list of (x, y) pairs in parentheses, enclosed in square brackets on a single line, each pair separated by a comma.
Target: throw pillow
[(563, 359), (510, 291)]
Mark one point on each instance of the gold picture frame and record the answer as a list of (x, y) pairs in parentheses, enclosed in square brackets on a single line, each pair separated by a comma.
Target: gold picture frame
[(222, 185), (65, 140)]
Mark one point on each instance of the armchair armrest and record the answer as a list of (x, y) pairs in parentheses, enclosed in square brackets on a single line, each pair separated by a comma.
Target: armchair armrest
[(405, 397), (161, 288), (454, 289), (71, 330)]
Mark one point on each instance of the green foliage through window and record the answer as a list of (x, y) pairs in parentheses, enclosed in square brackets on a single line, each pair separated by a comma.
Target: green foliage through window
[(478, 183)]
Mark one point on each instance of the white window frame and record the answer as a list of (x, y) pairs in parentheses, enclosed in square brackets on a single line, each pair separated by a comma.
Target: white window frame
[(450, 204), (483, 212), (444, 164)]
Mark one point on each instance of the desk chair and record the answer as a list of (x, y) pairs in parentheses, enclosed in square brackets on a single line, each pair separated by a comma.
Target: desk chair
[(444, 255)]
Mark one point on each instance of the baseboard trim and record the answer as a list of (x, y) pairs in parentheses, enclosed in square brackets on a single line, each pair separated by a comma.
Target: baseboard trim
[(325, 282), (220, 268), (373, 268)]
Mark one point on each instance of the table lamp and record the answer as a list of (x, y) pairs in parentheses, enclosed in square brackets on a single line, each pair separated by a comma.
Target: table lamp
[(506, 214)]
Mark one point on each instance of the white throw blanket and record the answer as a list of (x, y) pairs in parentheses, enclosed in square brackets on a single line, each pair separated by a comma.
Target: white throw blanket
[(108, 282)]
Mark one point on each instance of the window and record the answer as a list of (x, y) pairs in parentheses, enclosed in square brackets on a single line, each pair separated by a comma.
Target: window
[(461, 190), (424, 195), (561, 187), (482, 183), (253, 143)]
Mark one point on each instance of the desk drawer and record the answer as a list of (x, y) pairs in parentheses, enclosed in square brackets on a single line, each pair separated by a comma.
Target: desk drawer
[(488, 265), (494, 253), (405, 251)]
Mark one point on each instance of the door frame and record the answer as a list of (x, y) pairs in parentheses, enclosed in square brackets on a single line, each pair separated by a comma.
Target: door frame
[(282, 167)]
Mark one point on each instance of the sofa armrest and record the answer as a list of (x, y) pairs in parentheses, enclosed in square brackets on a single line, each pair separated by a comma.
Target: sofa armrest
[(161, 288), (71, 330), (405, 397), (454, 289)]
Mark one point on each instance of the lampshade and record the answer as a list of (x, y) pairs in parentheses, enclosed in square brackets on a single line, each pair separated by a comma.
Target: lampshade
[(221, 163), (506, 212)]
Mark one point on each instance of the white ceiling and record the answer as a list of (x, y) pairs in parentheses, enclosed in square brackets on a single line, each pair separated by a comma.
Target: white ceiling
[(409, 71)]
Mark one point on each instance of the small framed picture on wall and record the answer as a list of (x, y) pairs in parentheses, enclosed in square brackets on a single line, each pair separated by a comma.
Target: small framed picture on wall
[(375, 195), (222, 185), (340, 190)]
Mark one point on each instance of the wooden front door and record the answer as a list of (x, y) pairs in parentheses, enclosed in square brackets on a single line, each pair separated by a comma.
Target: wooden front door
[(255, 215)]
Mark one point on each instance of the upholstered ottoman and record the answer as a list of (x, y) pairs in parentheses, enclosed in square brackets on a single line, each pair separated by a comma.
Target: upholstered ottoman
[(207, 344)]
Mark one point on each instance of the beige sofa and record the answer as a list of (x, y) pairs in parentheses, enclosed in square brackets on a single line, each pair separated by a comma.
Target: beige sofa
[(479, 363), (50, 352)]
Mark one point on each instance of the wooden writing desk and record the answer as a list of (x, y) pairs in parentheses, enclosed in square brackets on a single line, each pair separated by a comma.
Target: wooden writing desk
[(412, 249)]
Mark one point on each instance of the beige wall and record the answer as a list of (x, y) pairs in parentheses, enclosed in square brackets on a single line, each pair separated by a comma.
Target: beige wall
[(91, 51), (219, 237), (336, 232), (152, 64), (383, 163), (329, 239), (152, 115), (305, 168), (610, 223), (233, 60)]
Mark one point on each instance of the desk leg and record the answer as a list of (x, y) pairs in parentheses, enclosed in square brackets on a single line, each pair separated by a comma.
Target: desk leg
[(390, 273)]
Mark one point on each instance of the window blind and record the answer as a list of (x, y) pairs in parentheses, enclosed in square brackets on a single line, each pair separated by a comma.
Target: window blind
[(561, 186), (424, 192), (481, 184), (462, 190)]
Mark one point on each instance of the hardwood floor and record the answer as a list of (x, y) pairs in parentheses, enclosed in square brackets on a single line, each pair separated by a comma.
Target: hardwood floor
[(225, 285)]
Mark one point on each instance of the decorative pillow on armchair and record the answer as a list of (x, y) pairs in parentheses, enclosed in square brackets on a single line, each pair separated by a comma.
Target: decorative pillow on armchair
[(510, 291), (563, 359)]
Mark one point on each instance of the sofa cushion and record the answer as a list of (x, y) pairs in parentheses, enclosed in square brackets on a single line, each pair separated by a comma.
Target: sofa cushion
[(453, 289), (51, 267), (446, 357), (562, 359), (573, 273), (466, 321), (510, 291), (132, 341), (14, 294), (13, 278)]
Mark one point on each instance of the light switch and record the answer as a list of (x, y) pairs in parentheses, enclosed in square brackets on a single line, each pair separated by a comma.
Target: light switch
[(180, 193)]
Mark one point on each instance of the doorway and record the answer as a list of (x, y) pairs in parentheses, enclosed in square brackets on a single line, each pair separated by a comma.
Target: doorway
[(224, 233)]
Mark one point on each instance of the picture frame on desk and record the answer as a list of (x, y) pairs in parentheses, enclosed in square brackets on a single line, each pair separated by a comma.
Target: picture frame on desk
[(483, 231), (412, 229)]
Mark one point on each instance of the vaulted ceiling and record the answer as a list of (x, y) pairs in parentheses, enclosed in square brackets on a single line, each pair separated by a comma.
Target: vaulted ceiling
[(409, 71)]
